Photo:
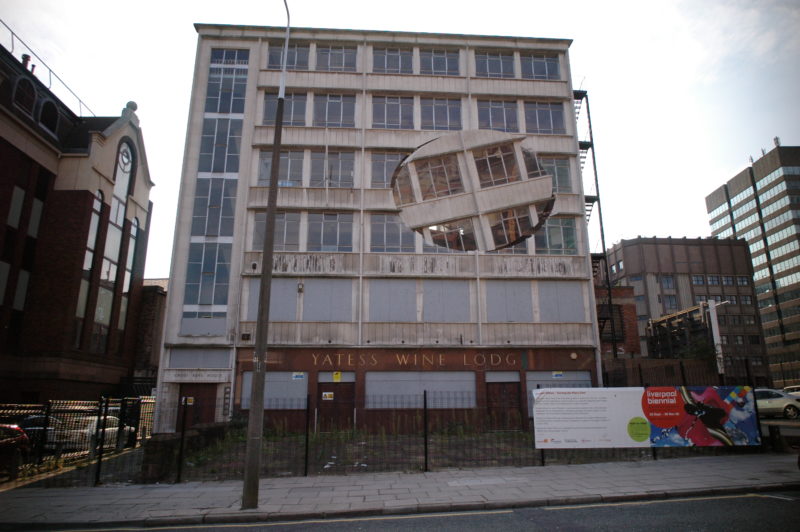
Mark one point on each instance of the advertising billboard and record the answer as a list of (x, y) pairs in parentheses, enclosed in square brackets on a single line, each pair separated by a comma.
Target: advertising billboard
[(656, 416)]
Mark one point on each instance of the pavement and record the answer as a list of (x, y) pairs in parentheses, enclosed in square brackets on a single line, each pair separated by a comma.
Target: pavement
[(296, 498)]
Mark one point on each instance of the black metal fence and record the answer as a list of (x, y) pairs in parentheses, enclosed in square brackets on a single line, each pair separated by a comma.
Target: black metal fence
[(66, 439)]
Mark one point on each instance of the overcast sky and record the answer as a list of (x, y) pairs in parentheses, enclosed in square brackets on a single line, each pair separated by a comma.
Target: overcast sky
[(681, 92)]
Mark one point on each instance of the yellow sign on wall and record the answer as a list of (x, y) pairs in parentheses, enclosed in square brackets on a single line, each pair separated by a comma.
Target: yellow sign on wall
[(327, 396), (337, 376)]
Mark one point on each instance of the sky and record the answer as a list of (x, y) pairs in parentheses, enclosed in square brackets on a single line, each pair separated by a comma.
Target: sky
[(682, 93)]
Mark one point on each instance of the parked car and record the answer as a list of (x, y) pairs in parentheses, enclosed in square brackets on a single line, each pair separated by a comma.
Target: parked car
[(34, 427), (777, 402), (78, 434), (792, 390), (14, 449)]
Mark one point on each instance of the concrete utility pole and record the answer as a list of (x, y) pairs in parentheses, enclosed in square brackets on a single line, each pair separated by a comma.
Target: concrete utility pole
[(255, 422)]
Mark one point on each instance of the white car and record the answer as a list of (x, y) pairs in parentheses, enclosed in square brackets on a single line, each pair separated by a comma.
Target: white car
[(81, 432), (793, 390), (777, 403)]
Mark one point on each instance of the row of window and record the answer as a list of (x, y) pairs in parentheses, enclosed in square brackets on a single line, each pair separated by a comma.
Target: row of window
[(733, 300), (25, 99), (432, 61), (397, 112), (333, 232), (442, 300), (336, 169), (710, 280), (740, 339)]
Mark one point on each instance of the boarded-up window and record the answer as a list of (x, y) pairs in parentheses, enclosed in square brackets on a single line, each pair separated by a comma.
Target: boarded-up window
[(509, 301), (283, 390), (199, 358), (404, 389), (328, 300), (392, 300), (282, 300), (561, 301), (445, 301)]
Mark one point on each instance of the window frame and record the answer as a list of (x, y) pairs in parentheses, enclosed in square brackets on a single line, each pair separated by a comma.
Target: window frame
[(392, 112), (494, 65), (498, 115), (444, 114)]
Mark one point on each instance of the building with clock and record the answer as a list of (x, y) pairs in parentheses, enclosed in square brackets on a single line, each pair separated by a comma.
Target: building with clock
[(75, 212)]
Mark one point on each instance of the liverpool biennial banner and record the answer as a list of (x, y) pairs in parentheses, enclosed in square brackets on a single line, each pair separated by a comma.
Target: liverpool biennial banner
[(656, 416)]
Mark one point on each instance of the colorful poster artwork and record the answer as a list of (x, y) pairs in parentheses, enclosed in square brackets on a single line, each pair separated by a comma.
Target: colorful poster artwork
[(697, 416), (658, 416)]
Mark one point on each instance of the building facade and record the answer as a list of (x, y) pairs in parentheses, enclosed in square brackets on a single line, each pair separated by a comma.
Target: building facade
[(761, 205), (75, 211), (362, 306), (669, 275)]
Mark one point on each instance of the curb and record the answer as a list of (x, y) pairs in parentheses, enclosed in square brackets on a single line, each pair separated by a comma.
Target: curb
[(252, 517)]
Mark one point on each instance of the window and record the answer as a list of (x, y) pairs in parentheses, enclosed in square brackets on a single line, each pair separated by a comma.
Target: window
[(544, 118), (510, 226), (723, 339), (48, 116), (727, 280), (700, 298), (456, 235), (402, 190), (732, 299), (294, 109), (383, 167), (667, 282), (733, 319), (336, 58), (748, 320), (441, 113), (745, 300), (494, 65), (754, 339), (25, 95), (226, 90), (743, 280), (620, 266), (330, 231), (445, 301), (670, 302), (219, 145), (214, 205), (334, 110), (287, 231), (539, 66), (392, 112), (715, 298), (559, 169), (391, 61), (508, 301), (738, 339), (713, 280), (290, 171), (207, 274), (333, 169), (439, 177), (390, 235), (557, 237), (229, 57), (532, 165), (613, 268), (698, 280), (296, 59), (496, 165), (497, 115), (722, 320), (438, 62)]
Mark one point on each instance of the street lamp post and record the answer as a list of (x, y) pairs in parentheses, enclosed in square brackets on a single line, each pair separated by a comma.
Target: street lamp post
[(255, 422)]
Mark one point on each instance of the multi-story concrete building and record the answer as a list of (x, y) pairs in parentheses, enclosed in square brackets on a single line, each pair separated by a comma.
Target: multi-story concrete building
[(75, 211), (361, 305), (672, 274), (761, 204)]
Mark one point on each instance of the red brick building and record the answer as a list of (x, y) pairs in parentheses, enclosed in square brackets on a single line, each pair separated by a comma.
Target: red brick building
[(75, 213)]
